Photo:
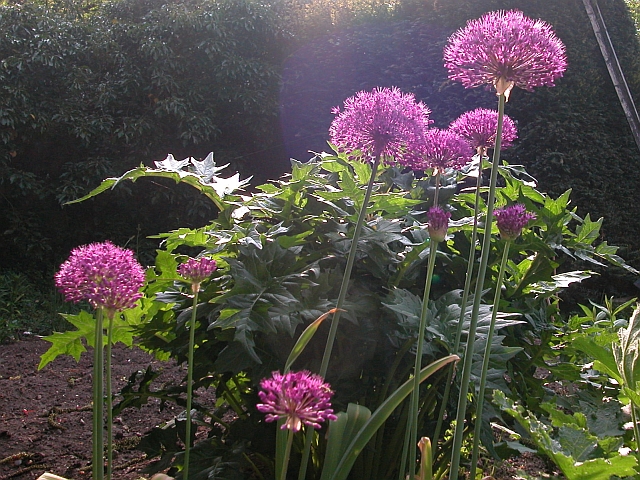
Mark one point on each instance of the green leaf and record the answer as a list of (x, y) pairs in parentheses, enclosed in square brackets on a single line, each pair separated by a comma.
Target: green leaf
[(305, 338), (215, 187), (577, 442), (288, 241), (606, 361), (341, 433), (572, 439), (589, 231), (70, 342)]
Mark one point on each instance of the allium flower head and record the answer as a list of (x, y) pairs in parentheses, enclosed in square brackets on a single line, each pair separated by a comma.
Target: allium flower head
[(382, 122), (445, 149), (512, 219), (478, 127), (505, 49), (438, 223), (298, 397), (196, 270), (102, 274)]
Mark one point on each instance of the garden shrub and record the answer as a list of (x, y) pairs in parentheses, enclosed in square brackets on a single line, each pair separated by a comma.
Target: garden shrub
[(86, 96)]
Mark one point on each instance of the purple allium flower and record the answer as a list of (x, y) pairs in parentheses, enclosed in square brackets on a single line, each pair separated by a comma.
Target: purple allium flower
[(504, 49), (103, 274), (512, 219), (445, 149), (382, 122), (298, 397), (478, 127), (438, 223), (197, 270)]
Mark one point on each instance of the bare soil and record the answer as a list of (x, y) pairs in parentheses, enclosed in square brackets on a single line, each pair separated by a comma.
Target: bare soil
[(45, 416)]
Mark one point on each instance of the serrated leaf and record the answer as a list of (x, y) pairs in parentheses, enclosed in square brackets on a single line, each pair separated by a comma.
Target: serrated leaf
[(604, 357), (171, 164), (288, 241), (576, 442), (590, 469), (362, 171), (70, 342), (227, 186), (206, 168)]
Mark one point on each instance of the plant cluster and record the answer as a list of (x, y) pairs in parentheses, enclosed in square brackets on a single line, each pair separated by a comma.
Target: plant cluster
[(348, 235), (280, 255)]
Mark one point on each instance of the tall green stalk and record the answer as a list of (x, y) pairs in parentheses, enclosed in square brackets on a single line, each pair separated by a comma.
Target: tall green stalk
[(477, 300), (195, 287), (110, 314), (412, 421), (287, 455), (324, 366), (471, 259), (485, 362), (98, 399)]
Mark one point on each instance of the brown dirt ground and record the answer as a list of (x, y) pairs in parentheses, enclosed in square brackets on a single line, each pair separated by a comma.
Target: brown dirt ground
[(27, 397)]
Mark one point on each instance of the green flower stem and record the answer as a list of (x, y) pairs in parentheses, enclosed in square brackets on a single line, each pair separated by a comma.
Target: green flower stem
[(473, 324), (324, 366), (411, 437), (485, 361), (435, 195), (192, 337), (109, 390), (406, 445), (412, 421), (98, 400), (287, 455), (471, 259)]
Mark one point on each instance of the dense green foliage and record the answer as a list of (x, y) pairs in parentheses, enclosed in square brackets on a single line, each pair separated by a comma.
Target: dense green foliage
[(281, 253), (84, 97)]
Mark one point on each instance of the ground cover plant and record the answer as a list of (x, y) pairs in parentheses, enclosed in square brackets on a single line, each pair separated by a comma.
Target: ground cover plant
[(379, 233)]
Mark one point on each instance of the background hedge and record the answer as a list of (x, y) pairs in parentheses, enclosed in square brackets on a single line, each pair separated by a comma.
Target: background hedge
[(90, 90)]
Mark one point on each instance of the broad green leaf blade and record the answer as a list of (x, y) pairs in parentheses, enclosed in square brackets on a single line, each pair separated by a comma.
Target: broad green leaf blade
[(380, 416), (341, 433), (281, 446), (305, 338)]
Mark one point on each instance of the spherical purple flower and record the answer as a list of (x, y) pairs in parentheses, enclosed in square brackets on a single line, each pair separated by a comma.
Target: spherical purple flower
[(384, 122), (438, 223), (478, 127), (504, 49), (512, 219), (197, 270), (102, 274), (298, 397), (445, 149)]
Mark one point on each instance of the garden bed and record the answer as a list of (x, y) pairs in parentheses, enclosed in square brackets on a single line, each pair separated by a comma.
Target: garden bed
[(47, 414)]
